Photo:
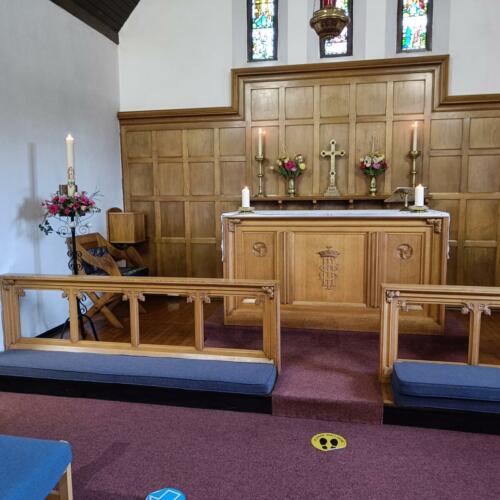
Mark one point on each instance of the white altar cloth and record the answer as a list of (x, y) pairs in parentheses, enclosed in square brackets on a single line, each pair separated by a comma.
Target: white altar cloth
[(337, 214)]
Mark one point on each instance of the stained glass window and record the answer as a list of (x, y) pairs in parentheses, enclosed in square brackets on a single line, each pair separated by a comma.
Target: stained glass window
[(342, 44), (414, 25), (262, 16)]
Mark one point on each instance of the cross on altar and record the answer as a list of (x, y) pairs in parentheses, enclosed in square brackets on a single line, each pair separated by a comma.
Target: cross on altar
[(332, 189)]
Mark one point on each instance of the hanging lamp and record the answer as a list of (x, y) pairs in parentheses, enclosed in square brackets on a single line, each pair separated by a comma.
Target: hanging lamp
[(329, 21)]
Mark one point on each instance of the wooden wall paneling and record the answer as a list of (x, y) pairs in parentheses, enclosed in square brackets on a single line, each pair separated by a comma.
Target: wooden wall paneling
[(445, 174), (351, 178), (484, 174), (299, 102), (387, 146), (180, 158), (485, 133), (371, 98), (315, 161)]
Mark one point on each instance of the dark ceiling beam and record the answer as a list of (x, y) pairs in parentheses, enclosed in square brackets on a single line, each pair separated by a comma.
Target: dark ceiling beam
[(105, 16), (79, 12)]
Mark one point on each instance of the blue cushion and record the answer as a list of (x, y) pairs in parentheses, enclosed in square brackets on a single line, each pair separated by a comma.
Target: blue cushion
[(175, 373), (31, 468), (441, 385)]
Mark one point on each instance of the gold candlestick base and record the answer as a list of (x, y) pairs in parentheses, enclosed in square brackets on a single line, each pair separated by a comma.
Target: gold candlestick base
[(418, 208), (246, 209)]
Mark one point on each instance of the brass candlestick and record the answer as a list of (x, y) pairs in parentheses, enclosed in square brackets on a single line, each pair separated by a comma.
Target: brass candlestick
[(414, 154), (260, 176)]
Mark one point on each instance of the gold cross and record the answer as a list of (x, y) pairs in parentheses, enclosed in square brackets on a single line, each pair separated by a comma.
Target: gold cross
[(332, 189)]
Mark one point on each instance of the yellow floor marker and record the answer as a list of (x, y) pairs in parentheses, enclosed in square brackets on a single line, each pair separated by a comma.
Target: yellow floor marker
[(328, 442)]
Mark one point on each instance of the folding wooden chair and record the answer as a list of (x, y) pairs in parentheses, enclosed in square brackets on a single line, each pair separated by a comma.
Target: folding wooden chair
[(96, 256)]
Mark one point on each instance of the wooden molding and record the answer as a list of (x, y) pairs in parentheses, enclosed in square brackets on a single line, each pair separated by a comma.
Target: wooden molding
[(439, 64)]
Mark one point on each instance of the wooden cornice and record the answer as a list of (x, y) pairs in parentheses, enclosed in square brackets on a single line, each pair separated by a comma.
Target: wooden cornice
[(438, 64)]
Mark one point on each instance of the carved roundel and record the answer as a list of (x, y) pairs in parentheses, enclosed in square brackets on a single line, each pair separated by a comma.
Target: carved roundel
[(259, 249), (405, 251)]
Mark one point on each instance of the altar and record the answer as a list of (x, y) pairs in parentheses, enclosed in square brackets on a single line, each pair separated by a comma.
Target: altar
[(330, 264)]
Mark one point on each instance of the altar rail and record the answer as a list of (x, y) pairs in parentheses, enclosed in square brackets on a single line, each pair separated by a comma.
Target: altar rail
[(197, 291), (474, 301)]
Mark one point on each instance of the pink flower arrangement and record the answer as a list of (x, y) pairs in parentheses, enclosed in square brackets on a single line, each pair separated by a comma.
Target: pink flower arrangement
[(290, 168), (61, 205), (373, 164)]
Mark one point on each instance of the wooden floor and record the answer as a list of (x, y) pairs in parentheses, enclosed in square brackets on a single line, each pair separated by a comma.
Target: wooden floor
[(170, 321)]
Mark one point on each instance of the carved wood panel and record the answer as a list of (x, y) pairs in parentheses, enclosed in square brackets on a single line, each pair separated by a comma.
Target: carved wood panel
[(184, 168)]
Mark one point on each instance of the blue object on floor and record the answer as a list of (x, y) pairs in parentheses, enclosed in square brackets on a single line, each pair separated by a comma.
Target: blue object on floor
[(446, 386), (174, 373), (166, 494), (31, 468)]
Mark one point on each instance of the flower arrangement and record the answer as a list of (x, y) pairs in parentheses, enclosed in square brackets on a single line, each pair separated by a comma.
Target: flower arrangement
[(60, 205), (290, 168), (373, 164)]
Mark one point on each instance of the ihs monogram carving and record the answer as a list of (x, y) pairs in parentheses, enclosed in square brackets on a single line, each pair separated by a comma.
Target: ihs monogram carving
[(329, 268), (405, 251), (259, 249)]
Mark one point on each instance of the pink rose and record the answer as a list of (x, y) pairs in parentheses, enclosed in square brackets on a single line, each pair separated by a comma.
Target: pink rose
[(67, 211), (53, 209)]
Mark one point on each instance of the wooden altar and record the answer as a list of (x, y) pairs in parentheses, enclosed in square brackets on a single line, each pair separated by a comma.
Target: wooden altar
[(331, 264)]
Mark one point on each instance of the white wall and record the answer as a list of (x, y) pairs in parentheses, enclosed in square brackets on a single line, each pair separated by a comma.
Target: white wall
[(57, 76), (166, 52), (176, 54), (475, 64)]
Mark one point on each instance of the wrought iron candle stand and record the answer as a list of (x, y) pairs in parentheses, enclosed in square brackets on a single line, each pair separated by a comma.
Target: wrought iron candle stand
[(75, 265), (260, 176), (414, 154)]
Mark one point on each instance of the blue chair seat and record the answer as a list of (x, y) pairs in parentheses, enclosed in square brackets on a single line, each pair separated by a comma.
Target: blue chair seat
[(446, 386), (31, 468)]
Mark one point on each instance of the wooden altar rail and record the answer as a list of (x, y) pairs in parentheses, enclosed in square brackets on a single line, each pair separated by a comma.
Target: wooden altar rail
[(473, 300), (197, 291)]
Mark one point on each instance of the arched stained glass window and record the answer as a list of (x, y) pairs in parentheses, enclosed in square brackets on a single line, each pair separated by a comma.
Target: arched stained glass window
[(342, 44), (414, 25), (262, 30)]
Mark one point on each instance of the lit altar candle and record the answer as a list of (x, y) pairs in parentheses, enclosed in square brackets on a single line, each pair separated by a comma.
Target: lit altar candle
[(415, 133), (70, 160), (70, 152), (260, 143), (419, 196), (245, 197)]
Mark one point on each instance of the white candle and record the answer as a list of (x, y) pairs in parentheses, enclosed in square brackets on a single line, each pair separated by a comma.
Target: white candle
[(260, 143), (245, 197), (70, 152), (419, 196), (415, 133)]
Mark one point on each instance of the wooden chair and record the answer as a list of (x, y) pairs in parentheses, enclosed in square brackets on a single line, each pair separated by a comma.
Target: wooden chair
[(96, 256)]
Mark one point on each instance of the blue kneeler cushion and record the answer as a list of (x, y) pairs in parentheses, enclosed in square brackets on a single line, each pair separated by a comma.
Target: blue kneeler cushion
[(31, 468), (173, 373), (446, 386)]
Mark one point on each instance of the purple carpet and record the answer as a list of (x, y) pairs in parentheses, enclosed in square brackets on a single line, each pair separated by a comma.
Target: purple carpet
[(332, 375), (122, 451)]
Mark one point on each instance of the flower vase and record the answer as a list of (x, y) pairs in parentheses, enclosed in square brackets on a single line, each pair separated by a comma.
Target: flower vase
[(291, 186), (373, 185)]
